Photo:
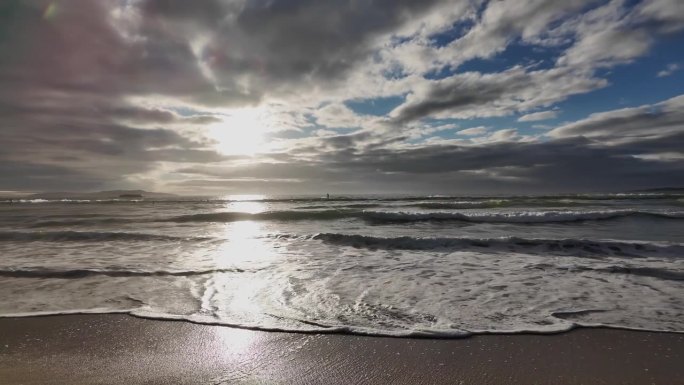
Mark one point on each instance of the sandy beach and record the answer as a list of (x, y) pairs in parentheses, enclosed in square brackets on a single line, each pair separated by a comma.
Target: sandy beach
[(120, 349)]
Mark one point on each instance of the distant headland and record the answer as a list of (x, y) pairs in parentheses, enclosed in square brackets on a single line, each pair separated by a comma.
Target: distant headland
[(110, 194)]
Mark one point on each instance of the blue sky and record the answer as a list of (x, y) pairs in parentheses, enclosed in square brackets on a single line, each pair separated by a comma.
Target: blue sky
[(637, 82), (359, 96)]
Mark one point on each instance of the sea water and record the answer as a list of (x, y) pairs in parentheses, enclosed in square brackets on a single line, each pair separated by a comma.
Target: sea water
[(427, 266)]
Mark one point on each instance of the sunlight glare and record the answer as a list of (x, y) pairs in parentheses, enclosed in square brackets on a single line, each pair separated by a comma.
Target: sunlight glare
[(245, 197), (246, 204), (245, 245), (242, 132), (233, 343), (246, 207)]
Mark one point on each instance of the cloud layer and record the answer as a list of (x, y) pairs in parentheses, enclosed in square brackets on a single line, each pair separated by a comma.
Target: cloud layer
[(351, 96)]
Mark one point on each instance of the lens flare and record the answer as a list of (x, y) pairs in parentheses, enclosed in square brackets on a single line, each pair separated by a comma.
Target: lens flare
[(50, 11)]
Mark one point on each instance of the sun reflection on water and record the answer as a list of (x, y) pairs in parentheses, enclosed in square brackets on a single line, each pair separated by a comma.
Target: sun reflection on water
[(244, 246), (251, 204), (244, 240), (248, 249), (245, 197), (234, 344), (246, 207)]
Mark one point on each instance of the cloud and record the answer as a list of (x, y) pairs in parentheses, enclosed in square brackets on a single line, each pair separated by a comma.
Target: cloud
[(503, 21), (669, 70), (537, 116), (503, 135), (629, 124), (605, 35), (667, 15), (615, 33), (338, 115), (473, 131), (117, 94), (252, 48), (472, 94), (559, 165)]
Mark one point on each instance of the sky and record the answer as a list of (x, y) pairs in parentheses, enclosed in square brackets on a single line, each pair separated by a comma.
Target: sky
[(218, 97)]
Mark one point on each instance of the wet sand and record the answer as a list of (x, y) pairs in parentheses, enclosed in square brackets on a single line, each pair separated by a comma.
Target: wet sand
[(120, 349)]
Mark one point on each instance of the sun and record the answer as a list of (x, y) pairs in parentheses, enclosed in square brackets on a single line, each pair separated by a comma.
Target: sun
[(241, 131)]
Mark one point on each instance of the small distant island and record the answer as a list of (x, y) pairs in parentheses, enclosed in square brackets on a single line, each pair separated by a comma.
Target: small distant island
[(111, 194), (131, 196), (664, 190)]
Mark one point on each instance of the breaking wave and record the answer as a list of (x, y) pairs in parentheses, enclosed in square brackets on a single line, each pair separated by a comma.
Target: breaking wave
[(88, 236), (653, 272), (81, 222), (380, 217), (84, 273), (570, 246)]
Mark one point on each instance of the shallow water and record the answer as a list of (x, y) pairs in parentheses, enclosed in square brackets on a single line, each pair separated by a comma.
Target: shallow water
[(443, 266)]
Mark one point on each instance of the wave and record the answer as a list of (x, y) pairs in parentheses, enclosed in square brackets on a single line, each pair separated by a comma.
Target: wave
[(39, 272), (88, 236), (501, 203), (379, 217), (306, 326), (513, 244), (285, 215), (372, 198), (516, 217), (653, 272), (82, 222), (340, 206), (460, 204), (66, 200)]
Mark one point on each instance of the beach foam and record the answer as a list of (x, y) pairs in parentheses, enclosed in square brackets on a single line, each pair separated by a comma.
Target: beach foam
[(417, 266)]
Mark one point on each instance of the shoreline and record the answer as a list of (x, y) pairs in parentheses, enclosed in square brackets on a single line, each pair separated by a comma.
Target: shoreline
[(332, 330), (122, 348)]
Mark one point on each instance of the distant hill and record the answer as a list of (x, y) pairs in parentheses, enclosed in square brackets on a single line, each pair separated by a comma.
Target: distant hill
[(670, 190), (112, 194)]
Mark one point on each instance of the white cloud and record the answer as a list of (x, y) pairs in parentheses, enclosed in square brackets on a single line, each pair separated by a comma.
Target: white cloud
[(604, 37), (668, 13), (629, 124), (669, 70), (337, 115), (537, 116), (473, 94), (503, 21), (506, 134), (473, 131)]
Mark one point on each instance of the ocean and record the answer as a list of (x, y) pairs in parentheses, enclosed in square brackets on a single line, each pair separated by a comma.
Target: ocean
[(399, 266)]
